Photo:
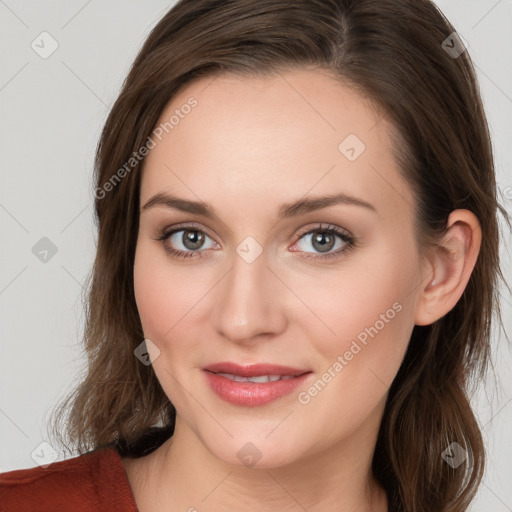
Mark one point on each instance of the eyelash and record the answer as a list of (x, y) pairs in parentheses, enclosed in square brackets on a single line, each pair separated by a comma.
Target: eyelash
[(345, 236)]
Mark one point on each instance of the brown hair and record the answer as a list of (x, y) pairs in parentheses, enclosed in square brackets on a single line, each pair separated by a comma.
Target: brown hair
[(392, 52)]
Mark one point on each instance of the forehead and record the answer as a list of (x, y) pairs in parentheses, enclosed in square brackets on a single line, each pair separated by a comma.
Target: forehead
[(324, 107), (274, 138)]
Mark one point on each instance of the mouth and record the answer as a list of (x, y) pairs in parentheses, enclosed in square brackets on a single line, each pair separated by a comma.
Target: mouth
[(259, 379), (255, 384)]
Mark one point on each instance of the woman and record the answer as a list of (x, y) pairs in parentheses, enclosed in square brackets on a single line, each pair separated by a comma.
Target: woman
[(296, 269)]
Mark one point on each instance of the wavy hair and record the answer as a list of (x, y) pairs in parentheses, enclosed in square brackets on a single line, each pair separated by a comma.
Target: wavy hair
[(391, 51)]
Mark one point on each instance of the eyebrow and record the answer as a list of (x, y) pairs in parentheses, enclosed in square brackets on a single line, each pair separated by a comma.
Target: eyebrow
[(287, 210)]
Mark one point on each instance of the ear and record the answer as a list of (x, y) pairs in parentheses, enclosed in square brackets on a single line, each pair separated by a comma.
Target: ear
[(449, 265)]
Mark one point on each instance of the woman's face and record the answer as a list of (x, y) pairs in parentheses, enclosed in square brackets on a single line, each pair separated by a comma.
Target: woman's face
[(262, 282)]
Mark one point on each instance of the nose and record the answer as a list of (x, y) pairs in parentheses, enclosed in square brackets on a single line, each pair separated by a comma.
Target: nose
[(250, 302)]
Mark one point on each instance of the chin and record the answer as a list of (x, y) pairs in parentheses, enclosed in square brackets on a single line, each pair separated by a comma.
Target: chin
[(258, 454)]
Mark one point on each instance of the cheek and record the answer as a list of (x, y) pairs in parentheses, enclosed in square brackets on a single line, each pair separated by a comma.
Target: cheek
[(372, 315), (369, 311), (162, 291), (161, 299), (382, 319), (170, 304), (151, 293)]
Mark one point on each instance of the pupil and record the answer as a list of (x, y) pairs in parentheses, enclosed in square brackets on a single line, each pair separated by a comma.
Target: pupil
[(193, 239), (320, 238)]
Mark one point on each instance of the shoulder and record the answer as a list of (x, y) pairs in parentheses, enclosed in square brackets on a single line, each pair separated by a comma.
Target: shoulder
[(93, 481)]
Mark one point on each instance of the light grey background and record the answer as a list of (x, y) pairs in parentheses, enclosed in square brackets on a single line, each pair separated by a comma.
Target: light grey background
[(52, 111)]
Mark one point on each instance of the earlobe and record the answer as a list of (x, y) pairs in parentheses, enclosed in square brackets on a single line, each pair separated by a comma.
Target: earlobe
[(450, 264)]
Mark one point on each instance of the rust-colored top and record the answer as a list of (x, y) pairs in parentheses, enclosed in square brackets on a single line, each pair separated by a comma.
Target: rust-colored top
[(92, 482)]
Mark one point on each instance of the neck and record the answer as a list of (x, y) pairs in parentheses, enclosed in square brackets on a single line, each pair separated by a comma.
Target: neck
[(182, 474)]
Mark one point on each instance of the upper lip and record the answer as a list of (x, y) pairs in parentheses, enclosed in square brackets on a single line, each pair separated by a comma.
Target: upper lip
[(253, 370)]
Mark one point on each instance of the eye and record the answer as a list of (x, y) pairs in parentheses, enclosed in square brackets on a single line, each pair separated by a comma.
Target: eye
[(324, 240), (191, 242), (186, 242)]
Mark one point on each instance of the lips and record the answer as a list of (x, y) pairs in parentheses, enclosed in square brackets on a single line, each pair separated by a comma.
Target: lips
[(255, 384), (254, 370)]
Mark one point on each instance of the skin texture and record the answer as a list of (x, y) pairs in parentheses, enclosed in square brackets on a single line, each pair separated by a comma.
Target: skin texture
[(249, 146)]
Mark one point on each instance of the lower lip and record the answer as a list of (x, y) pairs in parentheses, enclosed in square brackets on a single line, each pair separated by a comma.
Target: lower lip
[(251, 394)]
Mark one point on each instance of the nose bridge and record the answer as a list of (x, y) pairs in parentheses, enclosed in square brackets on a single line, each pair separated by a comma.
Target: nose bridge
[(248, 305)]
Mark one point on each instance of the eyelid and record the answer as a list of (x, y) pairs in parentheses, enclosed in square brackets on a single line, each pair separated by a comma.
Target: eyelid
[(321, 227), (187, 226)]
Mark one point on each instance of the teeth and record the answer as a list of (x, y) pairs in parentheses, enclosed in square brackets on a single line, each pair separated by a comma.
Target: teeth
[(259, 379)]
